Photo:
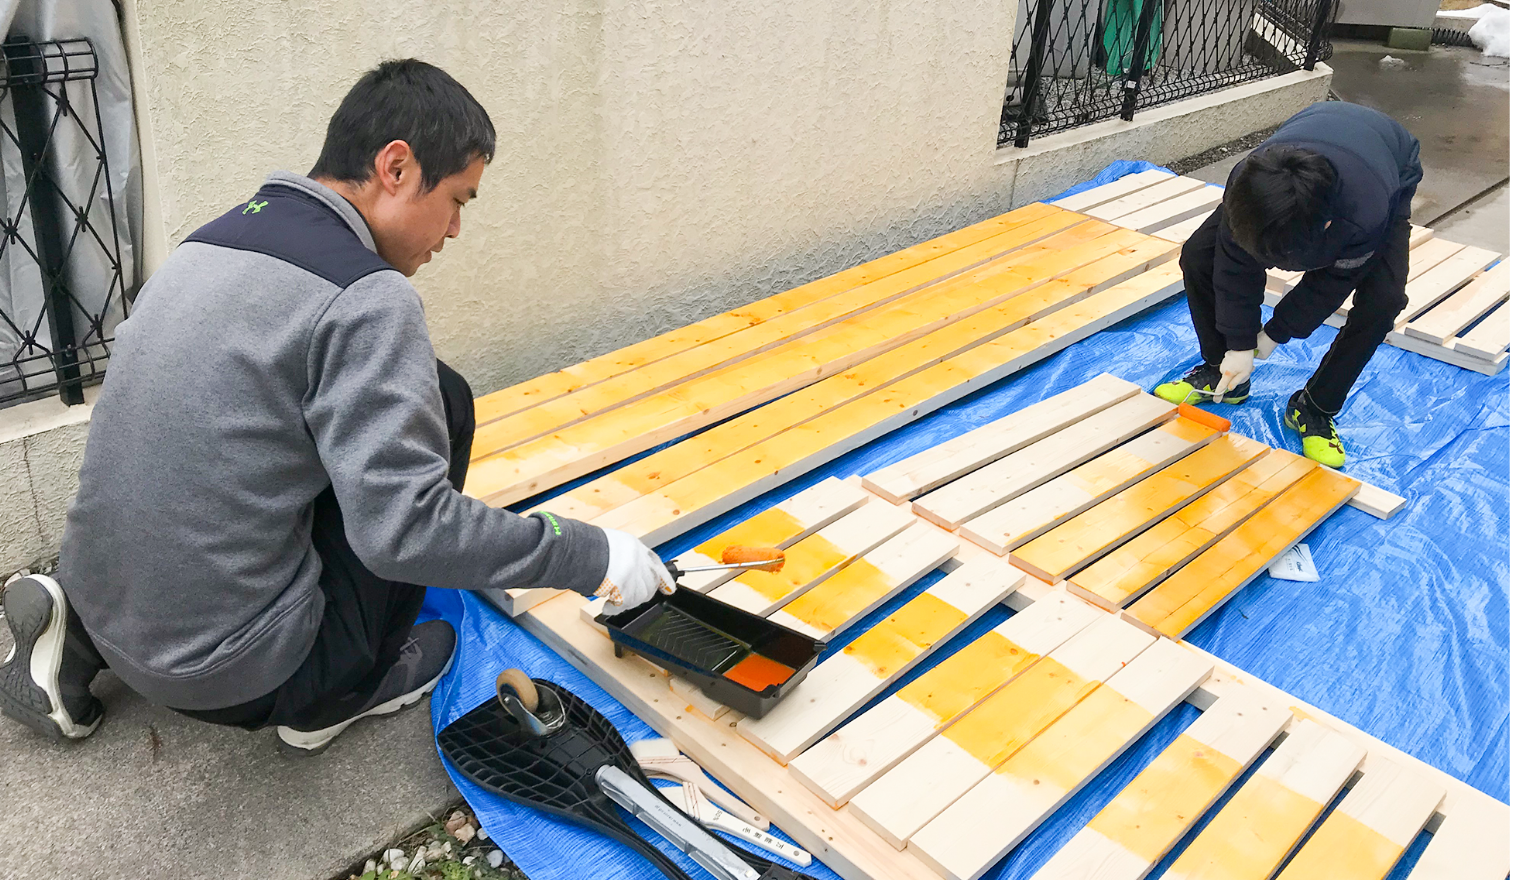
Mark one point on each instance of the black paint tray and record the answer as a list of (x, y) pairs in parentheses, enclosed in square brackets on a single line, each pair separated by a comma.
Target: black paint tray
[(699, 638)]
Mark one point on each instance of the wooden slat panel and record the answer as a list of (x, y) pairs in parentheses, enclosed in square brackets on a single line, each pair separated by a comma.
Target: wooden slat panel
[(1030, 515), (847, 680), (1257, 828), (1126, 573), (1142, 823), (1442, 324), (1367, 832), (1067, 547), (969, 837), (1433, 286), (1009, 477), (1179, 602), (1108, 192), (838, 767), (1280, 281), (1144, 198), (1199, 202), (1422, 259), (1181, 232), (909, 795), (958, 456), (1490, 338), (1471, 844), (1448, 353), (691, 500)]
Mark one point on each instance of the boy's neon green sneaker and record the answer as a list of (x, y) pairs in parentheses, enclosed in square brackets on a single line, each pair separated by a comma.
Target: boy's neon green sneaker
[(1322, 442), (1198, 387)]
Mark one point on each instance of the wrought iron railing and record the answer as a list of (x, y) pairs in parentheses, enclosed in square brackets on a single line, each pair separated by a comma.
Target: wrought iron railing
[(1080, 61), (62, 288)]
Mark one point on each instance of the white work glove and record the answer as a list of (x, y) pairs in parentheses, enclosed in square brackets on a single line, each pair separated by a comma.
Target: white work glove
[(1265, 345), (1233, 370), (634, 572)]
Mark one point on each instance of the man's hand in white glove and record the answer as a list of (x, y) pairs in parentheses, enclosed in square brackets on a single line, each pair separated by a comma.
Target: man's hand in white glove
[(634, 572), (1265, 345), (1233, 370)]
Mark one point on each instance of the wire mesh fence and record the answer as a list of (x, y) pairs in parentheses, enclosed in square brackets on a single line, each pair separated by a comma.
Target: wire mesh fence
[(64, 290), (1080, 61)]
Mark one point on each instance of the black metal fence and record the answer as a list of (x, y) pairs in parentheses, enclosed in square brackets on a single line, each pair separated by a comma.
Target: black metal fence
[(58, 340), (1081, 61)]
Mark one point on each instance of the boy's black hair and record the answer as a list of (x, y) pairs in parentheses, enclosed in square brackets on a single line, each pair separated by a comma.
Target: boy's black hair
[(406, 100), (1279, 201)]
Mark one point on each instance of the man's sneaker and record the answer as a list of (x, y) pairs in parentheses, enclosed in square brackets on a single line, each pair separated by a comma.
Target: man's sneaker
[(1198, 387), (425, 658), (1322, 442), (45, 681)]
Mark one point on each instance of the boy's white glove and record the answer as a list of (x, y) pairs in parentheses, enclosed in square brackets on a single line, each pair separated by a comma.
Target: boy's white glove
[(634, 572), (1265, 345), (1233, 370)]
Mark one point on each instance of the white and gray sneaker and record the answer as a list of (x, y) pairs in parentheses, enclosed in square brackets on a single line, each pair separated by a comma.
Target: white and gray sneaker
[(45, 680), (425, 658)]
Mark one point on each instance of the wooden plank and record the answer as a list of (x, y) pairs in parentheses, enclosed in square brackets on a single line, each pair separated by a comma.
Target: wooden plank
[(1108, 192), (1379, 502), (781, 526), (1422, 259), (682, 459), (1145, 820), (1199, 203), (908, 796), (1144, 198), (816, 557), (861, 586), (834, 838), (1031, 514), (854, 756), (1435, 284), (879, 657), (1490, 338), (972, 834), (1448, 353), (1256, 829), (1369, 830), (1471, 844), (1442, 324), (1181, 232), (684, 503), (952, 505), (1071, 545), (1179, 602), (499, 404), (958, 456), (1129, 571)]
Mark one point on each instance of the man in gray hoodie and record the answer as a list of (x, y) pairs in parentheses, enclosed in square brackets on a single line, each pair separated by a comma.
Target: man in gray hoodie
[(276, 459)]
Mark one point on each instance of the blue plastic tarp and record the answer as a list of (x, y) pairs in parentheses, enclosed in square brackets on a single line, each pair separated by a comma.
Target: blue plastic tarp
[(1405, 635)]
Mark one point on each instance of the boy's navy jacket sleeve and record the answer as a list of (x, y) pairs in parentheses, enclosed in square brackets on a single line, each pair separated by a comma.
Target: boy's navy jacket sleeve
[(1240, 283)]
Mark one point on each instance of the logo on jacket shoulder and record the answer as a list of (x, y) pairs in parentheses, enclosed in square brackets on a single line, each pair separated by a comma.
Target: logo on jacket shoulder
[(254, 206), (1354, 262)]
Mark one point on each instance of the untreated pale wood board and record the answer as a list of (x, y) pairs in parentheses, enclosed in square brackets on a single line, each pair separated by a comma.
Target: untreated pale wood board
[(1434, 285), (1150, 220), (987, 822), (854, 756), (1027, 516), (815, 558), (1142, 823), (882, 654), (1144, 198), (684, 503), (836, 839), (1422, 258), (1379, 502), (1178, 603), (908, 796), (1490, 338), (938, 465), (648, 475), (577, 449), (1369, 830), (518, 397), (1255, 830), (1448, 353), (1181, 232), (1469, 845), (1150, 557), (1441, 324), (1067, 547), (1039, 462), (863, 585), (1108, 192)]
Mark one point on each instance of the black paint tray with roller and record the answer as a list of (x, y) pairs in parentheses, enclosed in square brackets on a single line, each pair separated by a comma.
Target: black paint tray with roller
[(739, 659)]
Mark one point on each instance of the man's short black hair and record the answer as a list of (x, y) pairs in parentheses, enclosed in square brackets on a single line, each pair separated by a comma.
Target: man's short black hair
[(406, 100), (1279, 201)]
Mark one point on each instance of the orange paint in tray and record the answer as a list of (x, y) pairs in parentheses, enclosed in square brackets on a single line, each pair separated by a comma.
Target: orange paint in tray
[(757, 673)]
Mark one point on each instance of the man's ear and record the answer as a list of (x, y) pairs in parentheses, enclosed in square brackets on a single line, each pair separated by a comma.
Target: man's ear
[(393, 163)]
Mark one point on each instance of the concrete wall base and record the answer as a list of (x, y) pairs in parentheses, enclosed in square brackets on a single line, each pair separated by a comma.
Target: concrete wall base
[(41, 449)]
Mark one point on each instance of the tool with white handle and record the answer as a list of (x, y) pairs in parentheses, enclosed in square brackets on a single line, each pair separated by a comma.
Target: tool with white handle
[(673, 825), (693, 803), (660, 757)]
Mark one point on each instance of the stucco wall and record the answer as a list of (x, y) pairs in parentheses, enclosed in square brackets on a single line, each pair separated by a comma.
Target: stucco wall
[(41, 447), (658, 161)]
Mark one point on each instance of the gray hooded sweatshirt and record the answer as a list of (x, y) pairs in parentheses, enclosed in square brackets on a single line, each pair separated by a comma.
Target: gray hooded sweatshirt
[(275, 354)]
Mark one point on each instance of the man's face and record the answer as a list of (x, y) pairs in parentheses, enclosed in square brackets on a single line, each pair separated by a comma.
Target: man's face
[(410, 225)]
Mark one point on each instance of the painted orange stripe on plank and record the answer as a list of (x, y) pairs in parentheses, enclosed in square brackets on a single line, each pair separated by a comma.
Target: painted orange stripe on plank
[(904, 636), (1091, 732), (966, 677), (1013, 716), (836, 600), (1186, 776), (1250, 836), (1345, 849), (806, 560)]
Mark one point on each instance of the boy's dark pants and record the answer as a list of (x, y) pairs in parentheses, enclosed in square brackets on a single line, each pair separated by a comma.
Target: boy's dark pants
[(1379, 299)]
